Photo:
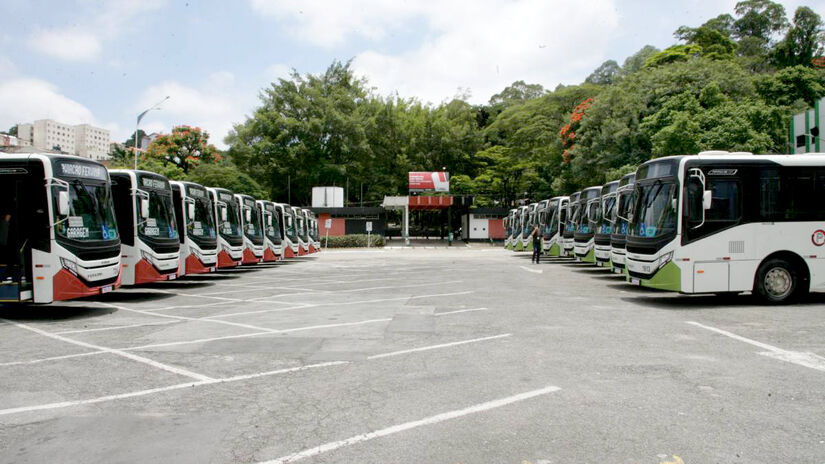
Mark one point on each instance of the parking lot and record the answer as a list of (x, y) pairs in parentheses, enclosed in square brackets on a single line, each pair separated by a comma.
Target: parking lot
[(459, 355)]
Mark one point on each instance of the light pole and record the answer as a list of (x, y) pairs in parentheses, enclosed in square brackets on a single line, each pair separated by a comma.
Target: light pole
[(156, 106)]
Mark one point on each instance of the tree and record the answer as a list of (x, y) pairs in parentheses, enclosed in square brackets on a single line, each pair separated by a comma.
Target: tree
[(803, 41), (12, 130), (517, 92), (607, 73), (637, 60), (130, 142), (186, 147), (758, 23)]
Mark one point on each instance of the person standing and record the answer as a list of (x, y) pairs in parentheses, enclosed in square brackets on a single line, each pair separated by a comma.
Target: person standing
[(536, 234)]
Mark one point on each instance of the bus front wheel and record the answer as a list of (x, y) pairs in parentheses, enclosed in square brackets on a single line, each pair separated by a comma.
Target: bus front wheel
[(777, 281)]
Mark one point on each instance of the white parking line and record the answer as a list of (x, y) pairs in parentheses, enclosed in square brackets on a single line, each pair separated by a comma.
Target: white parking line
[(445, 313), (53, 358), (237, 378), (435, 347), (482, 407), (534, 271), (114, 351), (115, 327), (311, 305), (806, 359)]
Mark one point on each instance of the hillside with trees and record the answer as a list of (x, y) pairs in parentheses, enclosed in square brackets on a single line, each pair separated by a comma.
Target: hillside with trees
[(731, 83)]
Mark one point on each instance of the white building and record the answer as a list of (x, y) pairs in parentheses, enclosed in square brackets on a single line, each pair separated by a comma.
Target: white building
[(83, 139)]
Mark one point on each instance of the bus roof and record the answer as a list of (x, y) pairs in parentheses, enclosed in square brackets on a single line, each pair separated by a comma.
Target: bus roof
[(610, 187)]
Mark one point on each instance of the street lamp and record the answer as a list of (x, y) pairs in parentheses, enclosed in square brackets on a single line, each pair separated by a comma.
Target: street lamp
[(156, 106)]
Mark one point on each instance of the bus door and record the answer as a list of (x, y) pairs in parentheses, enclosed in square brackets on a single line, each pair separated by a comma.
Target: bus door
[(21, 191)]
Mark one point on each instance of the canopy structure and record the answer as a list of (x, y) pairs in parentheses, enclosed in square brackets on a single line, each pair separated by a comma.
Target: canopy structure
[(425, 203)]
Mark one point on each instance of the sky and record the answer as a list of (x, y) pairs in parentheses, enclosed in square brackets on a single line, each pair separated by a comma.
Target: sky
[(104, 62)]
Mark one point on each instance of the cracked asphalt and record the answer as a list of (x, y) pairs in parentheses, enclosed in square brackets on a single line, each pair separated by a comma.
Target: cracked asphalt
[(451, 355)]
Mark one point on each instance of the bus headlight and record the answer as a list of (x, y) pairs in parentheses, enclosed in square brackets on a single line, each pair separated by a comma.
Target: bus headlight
[(665, 258), (70, 265), (147, 257)]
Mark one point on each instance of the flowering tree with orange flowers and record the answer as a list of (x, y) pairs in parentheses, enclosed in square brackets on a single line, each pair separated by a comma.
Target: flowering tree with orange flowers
[(186, 147), (568, 131)]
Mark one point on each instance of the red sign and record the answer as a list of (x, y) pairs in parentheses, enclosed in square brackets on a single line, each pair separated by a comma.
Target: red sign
[(430, 181)]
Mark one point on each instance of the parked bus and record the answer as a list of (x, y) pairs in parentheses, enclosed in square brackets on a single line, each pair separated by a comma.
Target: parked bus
[(541, 218), (604, 228), (253, 234), (624, 201), (570, 226), (228, 221), (730, 222), (521, 218), (289, 237), (589, 212), (149, 242), (310, 235), (314, 234), (555, 216), (508, 227), (272, 231), (300, 230), (60, 238), (195, 216)]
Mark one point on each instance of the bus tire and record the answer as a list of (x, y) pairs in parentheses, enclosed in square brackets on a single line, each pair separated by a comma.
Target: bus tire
[(777, 282)]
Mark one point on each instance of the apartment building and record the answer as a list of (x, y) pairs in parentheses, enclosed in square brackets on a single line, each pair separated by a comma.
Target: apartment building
[(83, 139)]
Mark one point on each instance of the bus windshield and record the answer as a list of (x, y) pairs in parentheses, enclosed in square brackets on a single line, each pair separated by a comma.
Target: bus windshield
[(608, 215), (624, 200), (231, 228), (290, 226), (551, 226), (252, 228), (161, 221), (301, 232), (273, 231), (654, 215), (91, 212)]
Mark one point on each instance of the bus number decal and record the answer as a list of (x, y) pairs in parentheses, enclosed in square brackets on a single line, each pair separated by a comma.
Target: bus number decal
[(77, 232), (818, 237)]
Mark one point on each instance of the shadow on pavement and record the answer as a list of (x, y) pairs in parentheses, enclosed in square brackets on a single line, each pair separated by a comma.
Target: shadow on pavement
[(52, 312), (677, 302)]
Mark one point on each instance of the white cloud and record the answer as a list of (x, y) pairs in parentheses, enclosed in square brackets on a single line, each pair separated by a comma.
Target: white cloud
[(28, 99), (331, 23), (214, 106), (277, 71), (484, 46), (97, 23), (66, 44)]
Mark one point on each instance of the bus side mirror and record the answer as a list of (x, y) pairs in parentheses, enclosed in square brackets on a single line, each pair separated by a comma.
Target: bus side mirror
[(269, 221), (63, 203), (190, 211), (707, 199), (248, 215), (144, 208), (223, 214)]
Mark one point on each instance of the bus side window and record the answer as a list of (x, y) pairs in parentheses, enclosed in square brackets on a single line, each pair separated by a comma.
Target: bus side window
[(725, 206)]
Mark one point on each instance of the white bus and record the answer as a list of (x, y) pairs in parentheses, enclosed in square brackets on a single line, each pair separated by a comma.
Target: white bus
[(228, 222), (310, 230), (289, 237), (149, 242), (587, 214), (508, 227), (730, 222), (272, 231), (624, 201), (253, 234), (300, 230), (570, 225), (314, 233), (58, 232), (604, 227), (196, 228), (555, 215)]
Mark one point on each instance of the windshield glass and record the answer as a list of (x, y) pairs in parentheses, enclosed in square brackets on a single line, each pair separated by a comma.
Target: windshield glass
[(91, 211), (231, 228), (273, 231), (608, 215), (654, 215), (290, 226), (161, 221), (252, 228), (623, 203), (202, 226), (551, 226), (301, 229)]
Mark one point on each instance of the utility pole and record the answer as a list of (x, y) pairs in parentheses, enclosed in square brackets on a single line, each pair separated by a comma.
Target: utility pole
[(362, 194), (289, 188)]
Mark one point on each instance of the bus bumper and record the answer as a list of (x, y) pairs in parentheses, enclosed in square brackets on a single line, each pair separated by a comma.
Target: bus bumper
[(669, 277)]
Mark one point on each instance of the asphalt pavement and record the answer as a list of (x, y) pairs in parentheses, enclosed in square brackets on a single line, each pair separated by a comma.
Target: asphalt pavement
[(445, 355)]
